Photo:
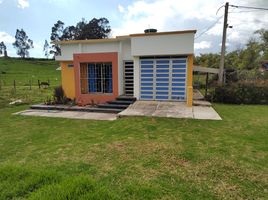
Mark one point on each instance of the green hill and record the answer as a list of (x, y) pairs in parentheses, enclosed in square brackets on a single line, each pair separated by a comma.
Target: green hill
[(26, 72)]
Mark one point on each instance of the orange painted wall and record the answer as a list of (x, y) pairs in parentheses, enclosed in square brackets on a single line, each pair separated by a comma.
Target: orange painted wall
[(84, 99), (67, 79)]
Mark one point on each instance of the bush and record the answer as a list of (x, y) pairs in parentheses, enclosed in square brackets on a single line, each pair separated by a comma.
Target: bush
[(58, 97), (58, 94), (242, 92)]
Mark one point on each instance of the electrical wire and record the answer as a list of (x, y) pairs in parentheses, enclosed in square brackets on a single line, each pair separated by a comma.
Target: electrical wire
[(249, 7), (210, 27)]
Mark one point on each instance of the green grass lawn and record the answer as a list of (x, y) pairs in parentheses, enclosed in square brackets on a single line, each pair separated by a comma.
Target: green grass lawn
[(130, 158), (135, 158)]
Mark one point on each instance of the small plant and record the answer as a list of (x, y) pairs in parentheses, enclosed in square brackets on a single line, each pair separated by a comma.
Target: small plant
[(59, 96), (49, 101)]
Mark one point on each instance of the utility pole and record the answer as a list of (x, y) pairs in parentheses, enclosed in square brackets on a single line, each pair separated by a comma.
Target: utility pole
[(225, 26)]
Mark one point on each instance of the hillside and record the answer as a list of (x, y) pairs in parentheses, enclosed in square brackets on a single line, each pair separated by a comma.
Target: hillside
[(25, 73)]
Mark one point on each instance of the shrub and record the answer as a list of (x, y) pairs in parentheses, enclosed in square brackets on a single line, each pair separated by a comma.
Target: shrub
[(242, 92), (59, 96)]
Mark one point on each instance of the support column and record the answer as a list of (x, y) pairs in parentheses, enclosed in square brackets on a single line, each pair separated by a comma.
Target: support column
[(189, 97), (136, 63)]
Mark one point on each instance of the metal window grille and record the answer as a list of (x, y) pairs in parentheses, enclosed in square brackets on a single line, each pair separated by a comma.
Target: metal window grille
[(97, 78)]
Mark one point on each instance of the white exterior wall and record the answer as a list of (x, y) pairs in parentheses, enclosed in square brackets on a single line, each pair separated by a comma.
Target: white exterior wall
[(136, 63), (67, 50), (126, 50), (175, 44)]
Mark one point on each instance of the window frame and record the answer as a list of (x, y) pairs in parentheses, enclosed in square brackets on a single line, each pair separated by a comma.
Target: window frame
[(102, 78)]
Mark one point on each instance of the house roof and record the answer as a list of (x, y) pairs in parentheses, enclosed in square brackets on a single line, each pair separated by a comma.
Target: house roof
[(119, 38)]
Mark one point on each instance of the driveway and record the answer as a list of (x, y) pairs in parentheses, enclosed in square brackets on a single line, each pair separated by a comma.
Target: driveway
[(170, 109)]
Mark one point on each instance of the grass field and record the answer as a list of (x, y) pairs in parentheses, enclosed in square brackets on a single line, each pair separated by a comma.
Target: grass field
[(134, 158), (25, 72)]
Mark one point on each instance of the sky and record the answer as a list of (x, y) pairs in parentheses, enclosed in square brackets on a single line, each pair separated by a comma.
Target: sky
[(37, 17)]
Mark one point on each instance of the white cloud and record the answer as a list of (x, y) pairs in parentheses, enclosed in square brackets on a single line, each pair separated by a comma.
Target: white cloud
[(23, 4), (121, 8), (164, 15), (6, 38), (168, 15), (202, 45), (37, 51), (1, 1)]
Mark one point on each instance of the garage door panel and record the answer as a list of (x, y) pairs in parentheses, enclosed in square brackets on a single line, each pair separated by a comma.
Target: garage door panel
[(178, 75), (162, 66), (163, 79), (178, 80), (161, 97), (178, 70), (162, 61), (162, 84), (147, 61), (147, 92), (179, 61), (146, 84)]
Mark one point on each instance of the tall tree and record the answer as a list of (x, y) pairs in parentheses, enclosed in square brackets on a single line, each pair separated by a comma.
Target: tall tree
[(84, 30), (94, 29), (56, 35), (3, 49), (22, 43), (46, 49), (251, 55), (263, 34)]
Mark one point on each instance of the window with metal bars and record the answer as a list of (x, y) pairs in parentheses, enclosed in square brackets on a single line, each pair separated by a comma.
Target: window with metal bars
[(96, 78)]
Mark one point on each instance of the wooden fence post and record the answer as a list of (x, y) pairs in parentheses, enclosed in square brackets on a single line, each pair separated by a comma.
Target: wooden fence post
[(14, 84), (30, 83), (206, 91)]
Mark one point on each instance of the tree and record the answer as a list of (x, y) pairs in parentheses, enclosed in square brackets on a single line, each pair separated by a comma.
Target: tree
[(94, 29), (208, 60), (251, 55), (22, 43), (3, 49), (56, 35), (46, 49), (263, 34)]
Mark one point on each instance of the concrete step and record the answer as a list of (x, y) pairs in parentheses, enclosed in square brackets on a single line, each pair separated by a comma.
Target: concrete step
[(121, 102), (201, 103), (76, 108), (126, 98), (115, 106)]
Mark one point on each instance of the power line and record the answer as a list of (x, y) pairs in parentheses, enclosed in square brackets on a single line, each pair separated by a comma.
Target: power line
[(249, 7), (247, 11), (210, 27)]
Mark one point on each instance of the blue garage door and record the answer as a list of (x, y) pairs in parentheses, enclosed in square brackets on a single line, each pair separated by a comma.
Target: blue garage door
[(163, 79)]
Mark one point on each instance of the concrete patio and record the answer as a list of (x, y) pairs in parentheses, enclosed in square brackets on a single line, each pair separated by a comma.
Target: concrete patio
[(69, 114), (200, 110), (170, 109)]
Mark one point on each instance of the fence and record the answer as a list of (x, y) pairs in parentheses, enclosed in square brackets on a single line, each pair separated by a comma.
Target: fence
[(15, 84)]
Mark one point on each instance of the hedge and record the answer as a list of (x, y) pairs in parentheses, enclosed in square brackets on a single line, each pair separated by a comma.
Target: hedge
[(243, 92)]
